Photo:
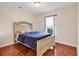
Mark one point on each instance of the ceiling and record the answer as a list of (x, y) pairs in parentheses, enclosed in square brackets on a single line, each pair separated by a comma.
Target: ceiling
[(47, 6)]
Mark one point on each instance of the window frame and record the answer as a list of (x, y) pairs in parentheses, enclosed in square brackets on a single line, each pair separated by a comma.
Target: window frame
[(53, 22)]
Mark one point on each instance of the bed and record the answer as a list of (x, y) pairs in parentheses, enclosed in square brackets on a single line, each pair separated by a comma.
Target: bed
[(39, 41)]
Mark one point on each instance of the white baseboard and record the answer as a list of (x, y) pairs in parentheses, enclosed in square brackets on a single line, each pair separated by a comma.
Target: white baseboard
[(67, 44), (56, 41), (5, 45)]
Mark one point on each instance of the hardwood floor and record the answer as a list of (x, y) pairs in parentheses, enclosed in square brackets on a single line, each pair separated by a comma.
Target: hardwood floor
[(21, 50), (65, 50)]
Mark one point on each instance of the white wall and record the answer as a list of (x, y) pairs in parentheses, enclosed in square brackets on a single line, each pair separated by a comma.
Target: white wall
[(7, 16), (65, 24)]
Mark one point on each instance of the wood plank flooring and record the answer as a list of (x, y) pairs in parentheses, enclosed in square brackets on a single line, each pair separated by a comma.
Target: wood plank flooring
[(21, 50)]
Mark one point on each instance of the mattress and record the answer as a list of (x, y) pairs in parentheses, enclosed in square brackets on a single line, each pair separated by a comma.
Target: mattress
[(31, 38)]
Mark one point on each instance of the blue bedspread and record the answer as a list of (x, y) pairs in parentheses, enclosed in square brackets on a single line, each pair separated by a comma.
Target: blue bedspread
[(31, 38)]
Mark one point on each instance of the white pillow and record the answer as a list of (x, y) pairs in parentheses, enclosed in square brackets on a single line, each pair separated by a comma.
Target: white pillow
[(28, 30), (23, 31)]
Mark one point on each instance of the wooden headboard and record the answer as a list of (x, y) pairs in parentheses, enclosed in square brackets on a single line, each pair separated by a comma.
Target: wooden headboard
[(21, 26)]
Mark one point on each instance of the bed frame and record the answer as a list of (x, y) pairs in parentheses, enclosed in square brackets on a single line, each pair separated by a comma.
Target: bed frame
[(42, 45)]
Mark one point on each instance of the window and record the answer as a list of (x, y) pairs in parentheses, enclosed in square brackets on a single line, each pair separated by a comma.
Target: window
[(49, 25)]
